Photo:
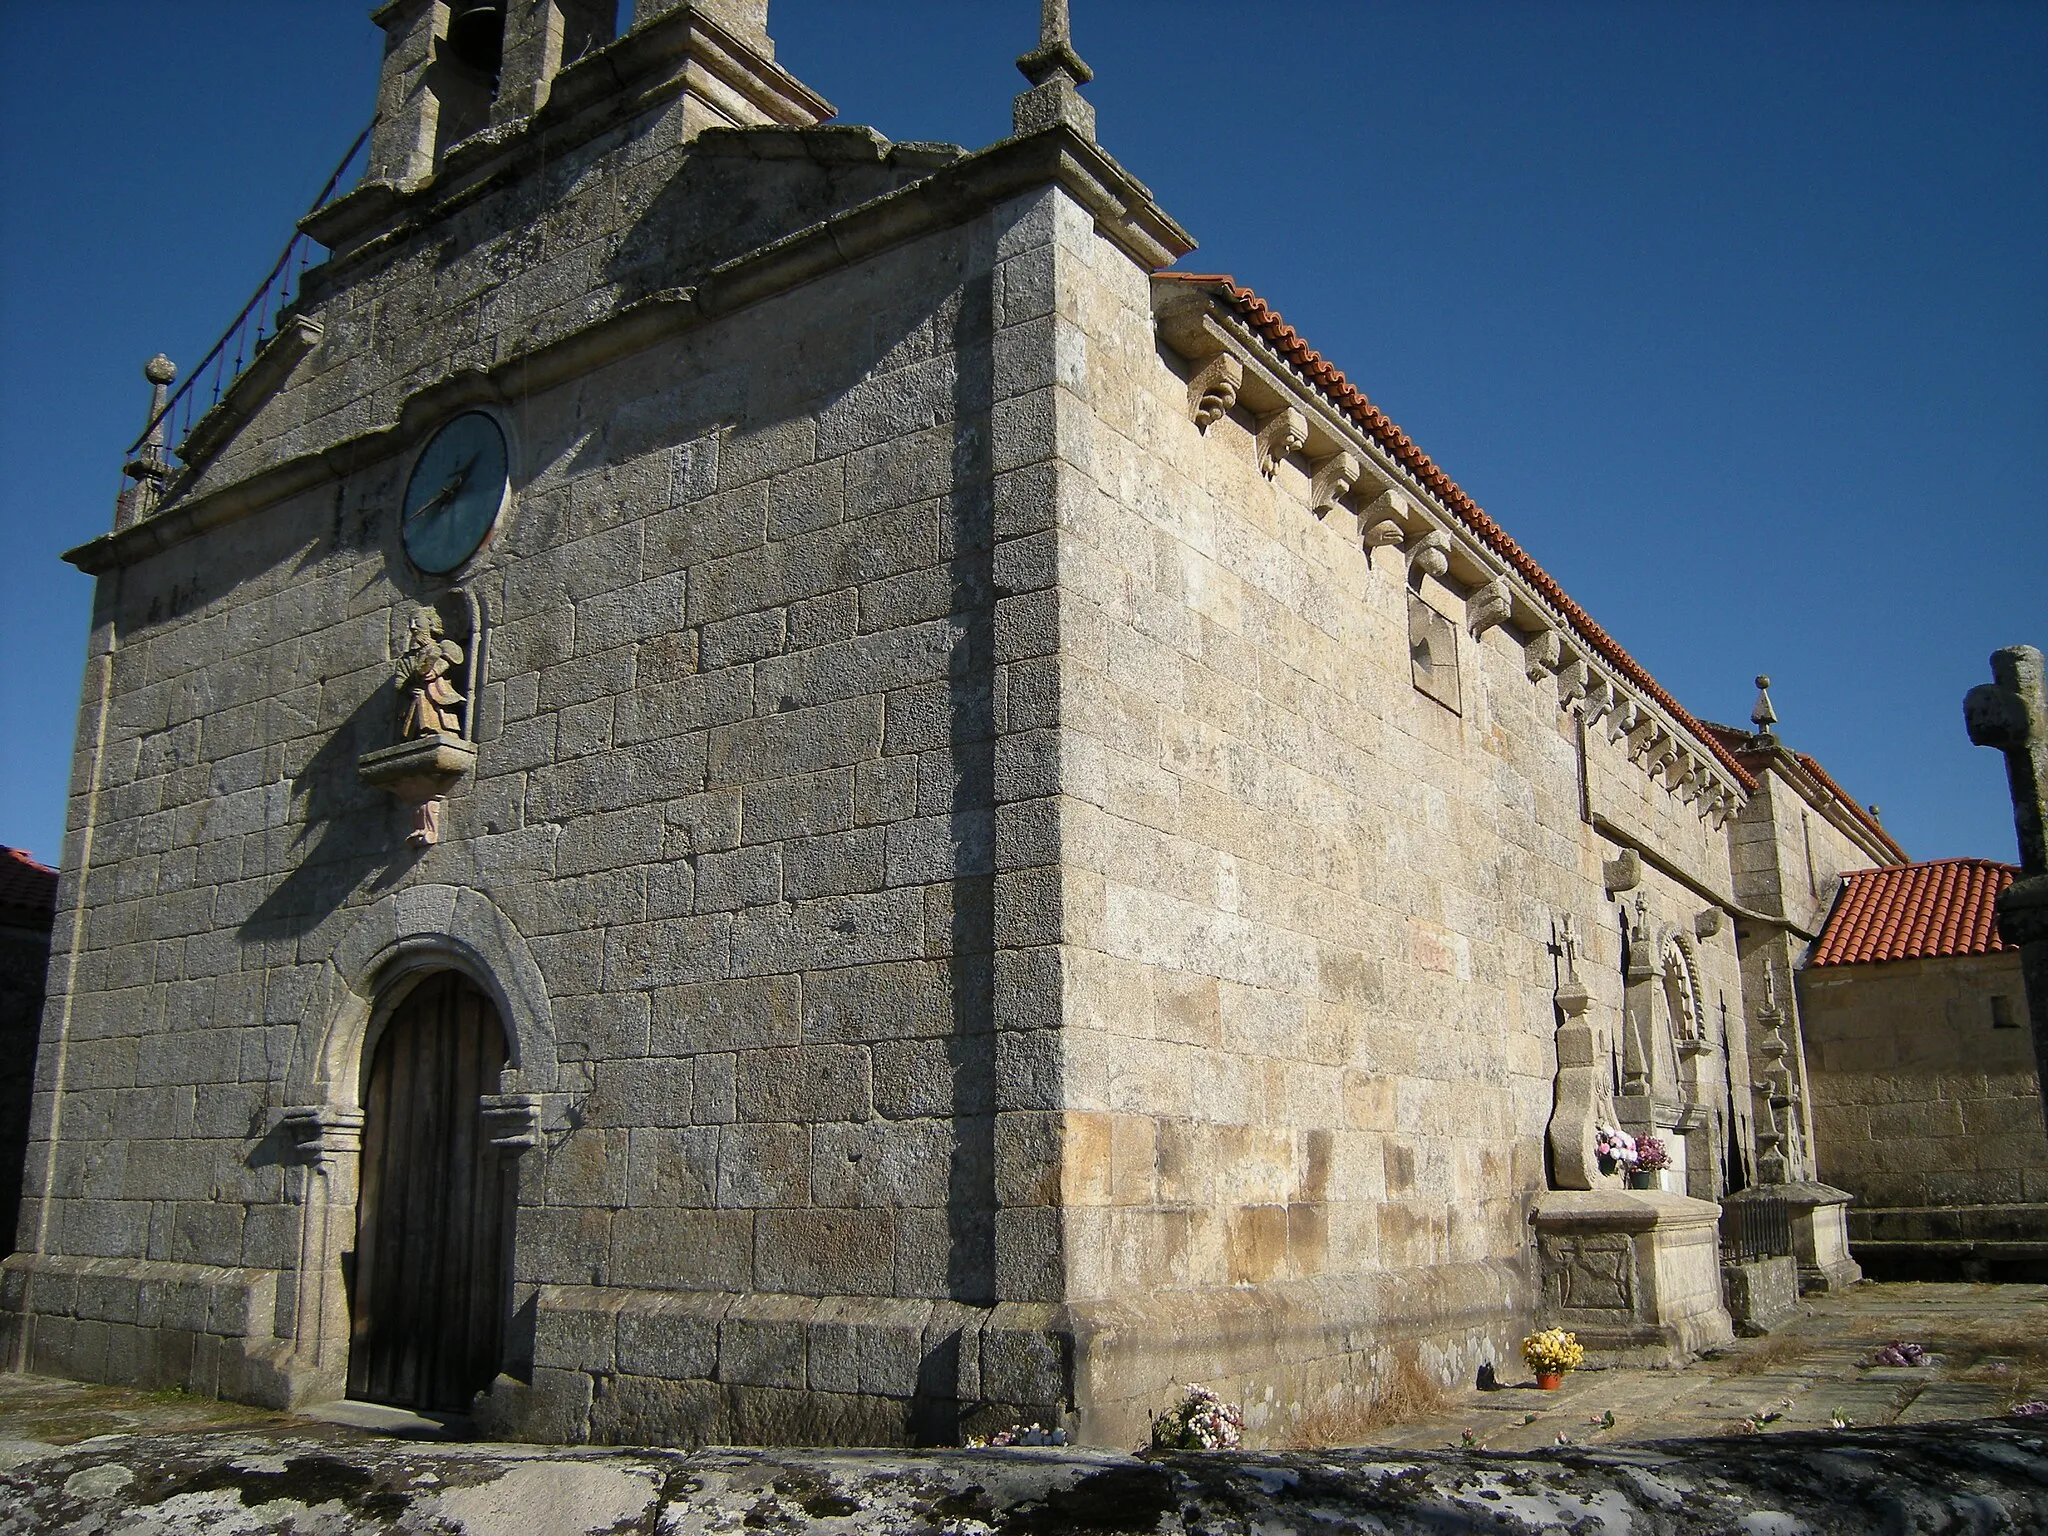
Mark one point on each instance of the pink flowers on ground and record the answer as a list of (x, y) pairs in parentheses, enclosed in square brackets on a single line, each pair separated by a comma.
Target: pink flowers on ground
[(1900, 1353)]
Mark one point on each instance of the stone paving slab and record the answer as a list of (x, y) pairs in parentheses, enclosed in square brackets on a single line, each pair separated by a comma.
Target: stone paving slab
[(337, 1482), (101, 1461)]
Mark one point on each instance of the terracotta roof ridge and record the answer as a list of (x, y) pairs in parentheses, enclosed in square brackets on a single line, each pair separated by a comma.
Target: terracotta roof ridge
[(1330, 379)]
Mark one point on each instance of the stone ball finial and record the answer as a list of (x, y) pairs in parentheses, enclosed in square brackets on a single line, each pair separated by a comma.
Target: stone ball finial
[(1762, 681), (1876, 813), (1763, 717), (159, 369)]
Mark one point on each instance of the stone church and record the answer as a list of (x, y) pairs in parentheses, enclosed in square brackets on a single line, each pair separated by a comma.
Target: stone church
[(759, 785)]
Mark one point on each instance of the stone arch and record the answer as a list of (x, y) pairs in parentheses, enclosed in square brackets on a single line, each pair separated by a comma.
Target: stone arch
[(393, 944), (1680, 965)]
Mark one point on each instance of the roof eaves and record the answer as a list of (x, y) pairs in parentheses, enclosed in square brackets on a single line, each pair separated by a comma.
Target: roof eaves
[(1325, 376)]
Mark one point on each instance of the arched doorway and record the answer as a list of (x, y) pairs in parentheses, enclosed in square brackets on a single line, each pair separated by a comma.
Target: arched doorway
[(433, 1219)]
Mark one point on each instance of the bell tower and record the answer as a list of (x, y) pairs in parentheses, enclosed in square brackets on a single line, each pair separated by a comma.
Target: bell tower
[(455, 68)]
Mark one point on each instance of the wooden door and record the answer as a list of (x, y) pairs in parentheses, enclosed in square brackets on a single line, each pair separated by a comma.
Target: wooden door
[(434, 1219)]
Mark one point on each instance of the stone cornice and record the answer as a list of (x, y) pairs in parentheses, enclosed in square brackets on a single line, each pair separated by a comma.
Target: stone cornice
[(1122, 206), (1394, 506)]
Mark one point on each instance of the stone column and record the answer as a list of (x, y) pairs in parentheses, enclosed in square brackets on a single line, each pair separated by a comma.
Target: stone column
[(408, 113), (2011, 714), (329, 1145), (150, 469), (541, 36)]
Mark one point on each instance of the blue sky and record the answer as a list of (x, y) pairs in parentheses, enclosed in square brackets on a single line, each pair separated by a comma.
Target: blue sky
[(1732, 313)]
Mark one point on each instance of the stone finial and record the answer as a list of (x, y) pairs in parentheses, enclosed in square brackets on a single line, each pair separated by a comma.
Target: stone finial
[(1490, 605), (1213, 390), (1056, 73), (150, 469), (1763, 717), (1282, 433), (1334, 477)]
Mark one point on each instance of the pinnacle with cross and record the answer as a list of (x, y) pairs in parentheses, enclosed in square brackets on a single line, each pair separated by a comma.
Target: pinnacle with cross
[(1056, 74), (2010, 714)]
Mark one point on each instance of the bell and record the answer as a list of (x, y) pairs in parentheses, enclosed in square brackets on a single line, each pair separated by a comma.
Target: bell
[(476, 34)]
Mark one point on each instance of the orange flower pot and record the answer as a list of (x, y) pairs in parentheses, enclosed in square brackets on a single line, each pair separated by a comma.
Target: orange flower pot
[(1550, 1381)]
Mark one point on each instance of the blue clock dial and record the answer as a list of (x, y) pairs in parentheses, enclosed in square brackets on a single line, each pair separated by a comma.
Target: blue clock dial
[(455, 494)]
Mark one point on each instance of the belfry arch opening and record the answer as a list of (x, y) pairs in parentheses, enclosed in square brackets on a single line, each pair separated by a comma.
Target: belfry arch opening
[(430, 1282)]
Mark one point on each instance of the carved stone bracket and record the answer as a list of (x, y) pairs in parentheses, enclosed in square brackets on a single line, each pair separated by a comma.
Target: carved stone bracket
[(512, 1120), (1213, 389), (1543, 655), (419, 773), (319, 1133), (1624, 873), (1429, 555), (1572, 681), (1334, 478), (1285, 431), (1488, 606), (1709, 922)]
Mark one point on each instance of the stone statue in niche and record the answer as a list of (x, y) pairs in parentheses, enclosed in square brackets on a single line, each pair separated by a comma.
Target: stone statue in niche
[(433, 751), (431, 700)]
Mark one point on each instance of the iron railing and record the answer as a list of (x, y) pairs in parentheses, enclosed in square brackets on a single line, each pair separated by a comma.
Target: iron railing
[(246, 333), (1756, 1227)]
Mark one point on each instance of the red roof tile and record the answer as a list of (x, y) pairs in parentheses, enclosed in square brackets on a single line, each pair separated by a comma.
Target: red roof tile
[(1915, 912), (27, 889), (1328, 378)]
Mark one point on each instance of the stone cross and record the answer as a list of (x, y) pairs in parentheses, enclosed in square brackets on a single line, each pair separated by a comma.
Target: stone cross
[(2010, 713), (1055, 72)]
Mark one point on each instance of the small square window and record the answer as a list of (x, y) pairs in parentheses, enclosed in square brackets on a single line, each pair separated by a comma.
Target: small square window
[(2002, 1015)]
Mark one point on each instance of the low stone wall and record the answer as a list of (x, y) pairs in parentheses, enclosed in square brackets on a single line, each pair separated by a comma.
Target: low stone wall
[(139, 1322)]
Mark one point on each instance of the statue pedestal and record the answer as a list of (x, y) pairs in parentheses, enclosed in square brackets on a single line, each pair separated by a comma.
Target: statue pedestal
[(1820, 1236), (1636, 1274), (420, 773)]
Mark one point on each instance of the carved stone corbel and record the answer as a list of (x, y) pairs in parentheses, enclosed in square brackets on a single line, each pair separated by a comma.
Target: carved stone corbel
[(1543, 655), (1572, 682), (1708, 923), (319, 1133), (1334, 478), (1601, 700), (1623, 720), (1282, 433), (1488, 606), (1622, 873), (1429, 555), (512, 1120), (1213, 389)]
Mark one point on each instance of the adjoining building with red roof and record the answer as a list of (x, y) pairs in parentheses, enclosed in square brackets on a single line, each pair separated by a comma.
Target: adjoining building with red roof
[(755, 784), (28, 907), (1926, 1094)]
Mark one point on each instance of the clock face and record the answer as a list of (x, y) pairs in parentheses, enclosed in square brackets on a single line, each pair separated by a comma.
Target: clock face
[(455, 494)]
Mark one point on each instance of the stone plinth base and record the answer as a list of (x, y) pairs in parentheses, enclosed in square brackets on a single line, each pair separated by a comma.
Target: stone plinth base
[(1312, 1361), (1760, 1293), (1636, 1274), (1820, 1235)]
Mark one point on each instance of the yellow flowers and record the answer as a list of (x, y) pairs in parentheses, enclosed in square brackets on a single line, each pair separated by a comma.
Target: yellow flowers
[(1553, 1350)]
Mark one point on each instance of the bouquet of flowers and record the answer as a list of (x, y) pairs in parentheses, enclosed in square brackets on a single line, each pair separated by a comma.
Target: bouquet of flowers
[(1615, 1148), (1553, 1350), (1202, 1422), (1652, 1156)]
